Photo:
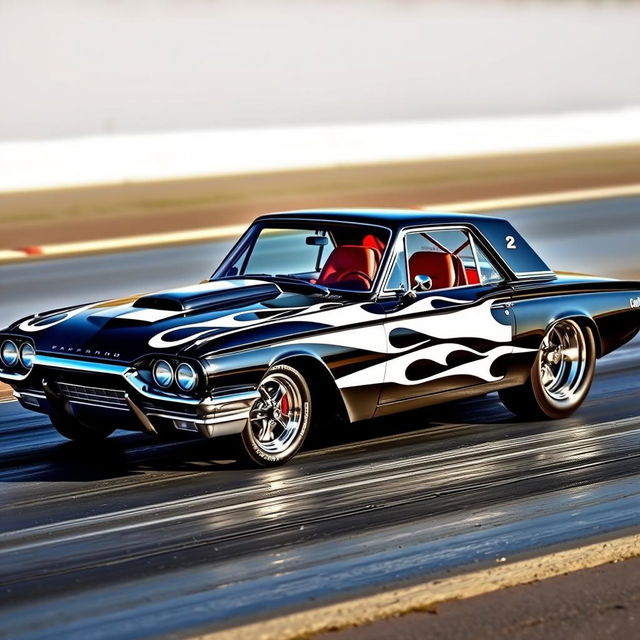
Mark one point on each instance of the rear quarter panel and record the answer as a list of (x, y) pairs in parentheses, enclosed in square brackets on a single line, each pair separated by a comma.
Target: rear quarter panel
[(613, 314)]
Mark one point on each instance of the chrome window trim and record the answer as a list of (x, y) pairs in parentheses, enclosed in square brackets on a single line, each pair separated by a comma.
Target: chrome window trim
[(471, 230), (475, 257), (472, 240), (533, 274)]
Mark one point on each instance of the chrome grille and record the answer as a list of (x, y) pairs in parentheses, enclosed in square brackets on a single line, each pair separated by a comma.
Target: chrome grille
[(93, 395)]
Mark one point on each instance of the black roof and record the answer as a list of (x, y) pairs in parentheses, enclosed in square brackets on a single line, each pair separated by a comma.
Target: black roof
[(392, 218), (503, 238)]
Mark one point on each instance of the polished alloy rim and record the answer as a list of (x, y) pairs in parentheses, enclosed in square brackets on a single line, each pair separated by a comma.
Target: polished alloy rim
[(563, 361), (276, 417)]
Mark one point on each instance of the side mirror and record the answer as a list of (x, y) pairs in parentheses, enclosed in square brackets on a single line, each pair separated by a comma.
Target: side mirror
[(422, 283)]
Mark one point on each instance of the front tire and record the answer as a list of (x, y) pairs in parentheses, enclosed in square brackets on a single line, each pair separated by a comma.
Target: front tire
[(561, 375), (279, 420), (84, 434)]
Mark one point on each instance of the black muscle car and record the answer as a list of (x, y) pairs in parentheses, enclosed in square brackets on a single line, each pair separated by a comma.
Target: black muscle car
[(315, 314)]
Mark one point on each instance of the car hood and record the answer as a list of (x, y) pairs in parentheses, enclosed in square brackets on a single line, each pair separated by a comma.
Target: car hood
[(198, 320)]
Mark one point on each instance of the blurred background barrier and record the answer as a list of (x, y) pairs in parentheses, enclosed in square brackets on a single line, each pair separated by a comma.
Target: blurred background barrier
[(128, 118), (155, 119), (98, 160)]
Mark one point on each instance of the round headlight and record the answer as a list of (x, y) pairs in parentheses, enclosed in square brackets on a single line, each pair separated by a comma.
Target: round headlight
[(27, 355), (163, 373), (187, 377), (9, 353)]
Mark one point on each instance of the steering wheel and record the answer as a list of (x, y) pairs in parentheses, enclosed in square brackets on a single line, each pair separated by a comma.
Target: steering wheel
[(361, 274)]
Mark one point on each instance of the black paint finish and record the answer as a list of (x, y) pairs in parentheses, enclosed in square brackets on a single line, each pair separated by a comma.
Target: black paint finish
[(237, 329)]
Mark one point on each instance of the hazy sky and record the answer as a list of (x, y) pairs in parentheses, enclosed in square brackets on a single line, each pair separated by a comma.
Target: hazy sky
[(74, 67)]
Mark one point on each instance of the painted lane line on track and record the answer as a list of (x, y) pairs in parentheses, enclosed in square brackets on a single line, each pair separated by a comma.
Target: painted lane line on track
[(101, 521), (533, 200), (227, 232), (396, 602)]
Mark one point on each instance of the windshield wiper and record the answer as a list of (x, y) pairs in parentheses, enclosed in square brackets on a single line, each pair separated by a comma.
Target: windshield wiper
[(296, 280)]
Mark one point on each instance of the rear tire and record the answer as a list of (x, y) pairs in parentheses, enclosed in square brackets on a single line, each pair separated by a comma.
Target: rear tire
[(561, 375), (279, 420), (84, 434)]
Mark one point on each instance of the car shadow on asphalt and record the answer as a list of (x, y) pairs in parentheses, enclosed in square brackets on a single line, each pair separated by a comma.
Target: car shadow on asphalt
[(127, 454)]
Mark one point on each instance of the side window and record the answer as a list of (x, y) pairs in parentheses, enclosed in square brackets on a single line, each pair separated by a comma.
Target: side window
[(439, 255), (398, 277), (450, 257), (488, 273)]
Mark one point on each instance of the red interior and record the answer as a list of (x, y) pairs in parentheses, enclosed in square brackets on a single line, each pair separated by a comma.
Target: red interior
[(350, 263), (439, 266), (472, 276), (375, 243)]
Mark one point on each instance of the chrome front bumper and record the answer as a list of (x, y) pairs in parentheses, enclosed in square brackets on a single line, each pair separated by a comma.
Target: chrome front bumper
[(221, 413)]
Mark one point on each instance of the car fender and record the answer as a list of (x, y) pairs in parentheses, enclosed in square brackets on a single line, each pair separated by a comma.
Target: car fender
[(584, 320)]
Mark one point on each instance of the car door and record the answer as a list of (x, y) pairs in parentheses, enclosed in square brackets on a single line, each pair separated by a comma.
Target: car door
[(459, 333)]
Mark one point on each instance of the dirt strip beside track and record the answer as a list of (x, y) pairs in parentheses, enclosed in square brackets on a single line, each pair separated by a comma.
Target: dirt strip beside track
[(66, 215), (425, 597), (603, 602)]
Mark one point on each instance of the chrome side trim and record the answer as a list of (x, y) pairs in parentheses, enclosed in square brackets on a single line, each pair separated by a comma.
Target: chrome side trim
[(80, 365), (534, 274)]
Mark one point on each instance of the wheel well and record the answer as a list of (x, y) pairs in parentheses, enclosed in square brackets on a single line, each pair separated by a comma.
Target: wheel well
[(584, 321), (325, 394)]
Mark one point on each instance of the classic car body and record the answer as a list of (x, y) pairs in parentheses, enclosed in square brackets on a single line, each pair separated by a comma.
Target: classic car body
[(384, 311)]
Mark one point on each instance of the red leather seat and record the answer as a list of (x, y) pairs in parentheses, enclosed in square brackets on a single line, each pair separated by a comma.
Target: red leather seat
[(461, 273), (439, 266), (472, 276), (351, 265), (375, 243)]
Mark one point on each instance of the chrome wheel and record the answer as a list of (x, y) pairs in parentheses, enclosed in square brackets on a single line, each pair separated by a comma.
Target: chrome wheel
[(563, 361), (276, 418)]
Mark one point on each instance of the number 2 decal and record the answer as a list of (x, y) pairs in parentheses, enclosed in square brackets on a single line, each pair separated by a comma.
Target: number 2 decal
[(511, 242)]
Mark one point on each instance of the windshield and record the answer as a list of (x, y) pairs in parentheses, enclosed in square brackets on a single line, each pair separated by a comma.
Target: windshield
[(336, 256)]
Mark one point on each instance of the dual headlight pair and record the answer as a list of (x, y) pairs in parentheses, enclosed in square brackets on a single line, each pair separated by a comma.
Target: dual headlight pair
[(13, 355), (184, 375)]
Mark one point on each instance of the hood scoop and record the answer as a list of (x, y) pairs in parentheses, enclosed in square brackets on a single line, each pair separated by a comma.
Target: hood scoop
[(211, 295)]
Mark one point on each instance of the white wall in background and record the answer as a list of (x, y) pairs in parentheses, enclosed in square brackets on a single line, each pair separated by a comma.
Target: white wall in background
[(83, 67), (39, 164)]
